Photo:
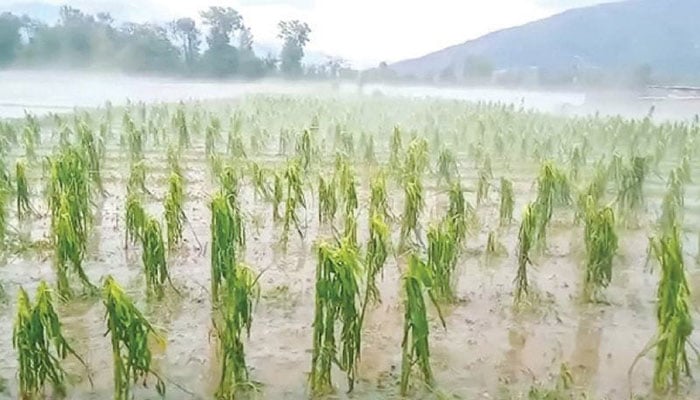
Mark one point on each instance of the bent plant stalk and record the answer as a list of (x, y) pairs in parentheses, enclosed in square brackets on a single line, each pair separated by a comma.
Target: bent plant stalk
[(378, 247), (337, 302), (601, 247), (233, 322), (526, 241), (415, 346), (674, 321), (174, 214), (38, 339), (505, 211), (24, 207), (129, 332), (228, 240), (153, 257), (443, 249), (135, 219)]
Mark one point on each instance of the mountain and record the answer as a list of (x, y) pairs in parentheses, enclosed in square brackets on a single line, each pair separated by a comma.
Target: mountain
[(657, 35)]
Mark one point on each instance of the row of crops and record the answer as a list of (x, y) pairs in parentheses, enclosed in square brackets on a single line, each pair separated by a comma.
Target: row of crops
[(362, 183)]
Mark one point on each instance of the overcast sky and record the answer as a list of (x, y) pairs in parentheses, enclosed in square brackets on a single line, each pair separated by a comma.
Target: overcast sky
[(364, 32)]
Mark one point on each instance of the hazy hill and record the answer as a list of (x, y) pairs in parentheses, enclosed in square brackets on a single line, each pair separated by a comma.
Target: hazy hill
[(624, 36)]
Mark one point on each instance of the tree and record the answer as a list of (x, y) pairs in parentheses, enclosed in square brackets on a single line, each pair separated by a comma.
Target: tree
[(221, 59), (222, 23), (76, 28), (477, 68), (147, 48), (10, 38), (295, 35), (245, 39), (186, 32)]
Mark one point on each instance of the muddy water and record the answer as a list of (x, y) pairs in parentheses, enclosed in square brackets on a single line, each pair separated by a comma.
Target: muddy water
[(487, 350)]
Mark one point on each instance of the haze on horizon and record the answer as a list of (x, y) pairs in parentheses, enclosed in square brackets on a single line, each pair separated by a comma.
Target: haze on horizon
[(364, 32)]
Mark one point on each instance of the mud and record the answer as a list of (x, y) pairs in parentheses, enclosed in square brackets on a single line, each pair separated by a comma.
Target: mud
[(487, 350)]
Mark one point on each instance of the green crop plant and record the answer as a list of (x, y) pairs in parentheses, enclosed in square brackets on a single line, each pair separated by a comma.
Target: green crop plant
[(69, 204), (505, 210), (294, 199), (416, 157), (4, 195), (527, 236), (135, 219), (228, 239), (673, 201), (183, 132), (258, 175), (29, 143), (674, 320), (38, 338), (230, 182), (137, 178), (577, 160), (494, 248), (173, 160), (395, 149), (369, 154), (24, 207), (378, 198), (135, 140), (89, 148), (283, 142), (235, 146), (211, 136), (630, 195), (482, 187), (443, 250), (446, 166), (127, 125), (337, 302), (378, 247), (415, 345), (216, 165), (70, 247), (129, 333), (345, 176), (277, 196), (257, 141), (601, 247), (413, 207), (153, 257), (327, 201), (233, 321), (552, 190), (350, 228), (304, 150), (64, 134), (685, 170), (174, 214), (461, 213), (595, 191), (32, 125)]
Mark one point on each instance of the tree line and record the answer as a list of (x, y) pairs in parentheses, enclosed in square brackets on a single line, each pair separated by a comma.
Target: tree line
[(221, 47)]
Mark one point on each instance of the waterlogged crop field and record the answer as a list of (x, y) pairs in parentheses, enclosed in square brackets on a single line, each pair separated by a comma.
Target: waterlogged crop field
[(291, 247)]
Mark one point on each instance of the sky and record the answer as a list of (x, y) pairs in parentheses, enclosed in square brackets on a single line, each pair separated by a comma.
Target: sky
[(364, 32)]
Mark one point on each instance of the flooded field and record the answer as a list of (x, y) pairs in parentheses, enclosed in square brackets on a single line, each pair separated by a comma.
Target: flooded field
[(489, 349)]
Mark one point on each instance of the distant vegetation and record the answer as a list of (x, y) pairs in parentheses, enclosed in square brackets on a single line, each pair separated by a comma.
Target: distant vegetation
[(222, 47)]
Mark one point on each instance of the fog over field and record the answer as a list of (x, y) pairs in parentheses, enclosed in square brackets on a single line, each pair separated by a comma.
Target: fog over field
[(485, 200), (46, 91)]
